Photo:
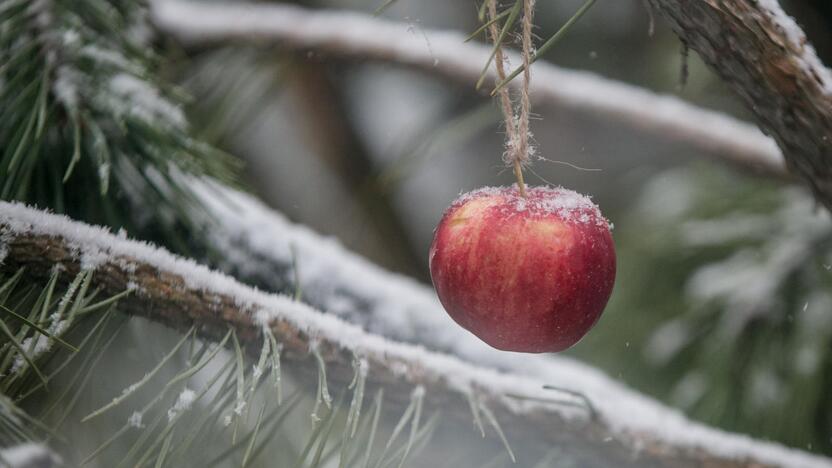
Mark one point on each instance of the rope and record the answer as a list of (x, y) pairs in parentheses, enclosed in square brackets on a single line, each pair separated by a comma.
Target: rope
[(518, 149)]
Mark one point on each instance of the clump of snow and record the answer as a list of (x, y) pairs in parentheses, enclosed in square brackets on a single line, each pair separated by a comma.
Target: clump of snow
[(766, 388), (38, 344), (568, 205), (29, 454), (667, 196), (135, 420), (183, 403), (665, 343), (41, 9), (262, 317), (105, 56), (466, 365), (808, 59), (418, 392), (134, 96), (65, 86), (689, 390), (91, 259)]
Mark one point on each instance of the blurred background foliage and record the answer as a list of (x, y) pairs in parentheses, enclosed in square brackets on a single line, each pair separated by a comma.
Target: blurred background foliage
[(723, 299)]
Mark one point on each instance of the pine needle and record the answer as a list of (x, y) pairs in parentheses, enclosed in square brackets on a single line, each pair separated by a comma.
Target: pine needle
[(316, 460), (314, 437), (419, 396), (136, 386), (546, 45), (296, 272), (240, 402), (68, 406), (420, 440), (496, 425), (90, 334), (322, 394), (160, 461), (374, 426), (22, 352), (103, 303), (485, 26), (512, 18), (588, 404), (387, 4), (258, 370), (281, 415), (253, 439), (88, 358), (76, 146), (276, 348), (39, 329), (475, 412), (354, 413), (9, 284), (182, 376), (415, 402)]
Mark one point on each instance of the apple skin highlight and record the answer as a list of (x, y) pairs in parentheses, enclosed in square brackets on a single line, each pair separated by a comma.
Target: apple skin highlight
[(524, 274)]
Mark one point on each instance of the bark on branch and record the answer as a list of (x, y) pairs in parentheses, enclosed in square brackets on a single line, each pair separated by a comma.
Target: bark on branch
[(180, 293), (444, 53), (765, 57)]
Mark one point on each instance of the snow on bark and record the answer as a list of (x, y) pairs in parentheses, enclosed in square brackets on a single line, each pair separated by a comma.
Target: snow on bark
[(794, 34)]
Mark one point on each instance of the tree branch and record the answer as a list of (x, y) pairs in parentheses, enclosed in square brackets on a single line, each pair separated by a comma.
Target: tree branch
[(357, 36), (765, 57), (180, 293)]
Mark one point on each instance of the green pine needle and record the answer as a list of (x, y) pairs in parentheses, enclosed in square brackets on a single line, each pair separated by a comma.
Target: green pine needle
[(482, 28), (38, 328), (546, 45), (138, 385), (509, 23), (387, 4)]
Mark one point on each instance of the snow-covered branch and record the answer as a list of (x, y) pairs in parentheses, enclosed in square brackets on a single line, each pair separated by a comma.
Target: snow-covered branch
[(359, 36), (631, 430), (765, 57)]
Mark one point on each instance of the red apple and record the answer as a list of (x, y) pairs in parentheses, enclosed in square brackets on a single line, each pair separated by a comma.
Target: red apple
[(524, 274)]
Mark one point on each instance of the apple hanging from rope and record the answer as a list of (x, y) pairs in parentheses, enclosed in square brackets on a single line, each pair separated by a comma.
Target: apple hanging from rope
[(529, 274)]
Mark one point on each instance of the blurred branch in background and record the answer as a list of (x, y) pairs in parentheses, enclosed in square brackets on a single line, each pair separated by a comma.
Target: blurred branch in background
[(359, 36)]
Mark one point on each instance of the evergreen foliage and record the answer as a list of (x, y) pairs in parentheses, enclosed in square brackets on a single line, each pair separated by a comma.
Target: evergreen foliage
[(200, 404), (88, 128), (732, 294)]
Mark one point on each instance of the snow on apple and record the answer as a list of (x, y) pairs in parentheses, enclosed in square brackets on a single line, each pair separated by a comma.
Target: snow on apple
[(529, 274)]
